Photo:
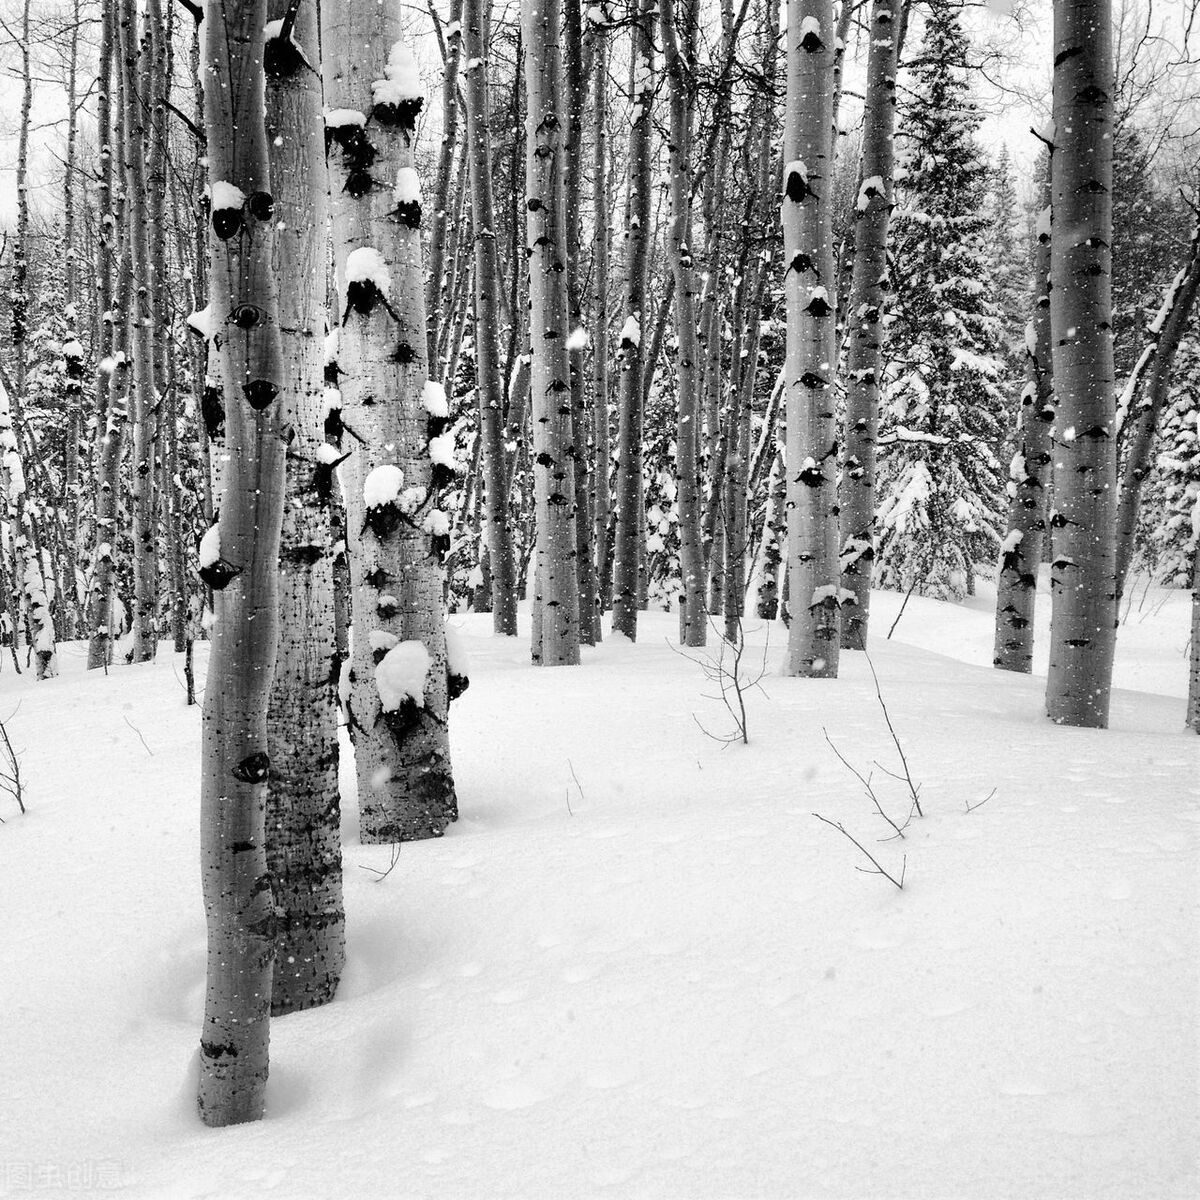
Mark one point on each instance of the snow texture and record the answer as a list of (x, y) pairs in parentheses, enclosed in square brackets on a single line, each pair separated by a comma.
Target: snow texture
[(441, 450), (437, 523), (631, 331), (366, 265), (433, 397), (458, 661), (400, 675), (577, 339), (226, 196), (335, 118), (210, 546), (403, 80), (382, 485), (408, 186)]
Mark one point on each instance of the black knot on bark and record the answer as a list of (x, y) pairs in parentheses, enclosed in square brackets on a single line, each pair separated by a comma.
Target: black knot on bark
[(282, 58), (220, 574), (226, 222), (212, 411), (386, 606), (797, 188), (246, 316), (260, 393), (262, 206), (383, 520), (361, 296), (404, 718), (455, 685), (544, 460), (254, 768), (404, 354), (801, 263), (811, 42), (435, 427), (440, 476), (810, 379), (334, 427), (533, 204), (359, 182), (377, 577), (408, 212), (811, 477), (818, 306), (400, 115), (439, 543)]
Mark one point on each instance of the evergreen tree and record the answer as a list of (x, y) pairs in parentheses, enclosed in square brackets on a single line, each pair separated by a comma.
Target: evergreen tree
[(1008, 262), (1171, 507), (939, 486)]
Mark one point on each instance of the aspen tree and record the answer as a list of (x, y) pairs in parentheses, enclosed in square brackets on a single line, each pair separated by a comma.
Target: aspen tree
[(556, 601), (489, 383), (1083, 570), (693, 625), (303, 809), (141, 333), (601, 243), (390, 420), (627, 543), (868, 292), (1029, 475), (809, 385), (239, 560)]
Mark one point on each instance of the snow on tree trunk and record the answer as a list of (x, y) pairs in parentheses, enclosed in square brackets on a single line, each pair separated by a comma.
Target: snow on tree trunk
[(693, 623), (868, 293), (244, 576), (303, 806), (1144, 398), (811, 352), (632, 337), (141, 338), (398, 453), (1083, 568), (556, 602), (487, 324), (1029, 475)]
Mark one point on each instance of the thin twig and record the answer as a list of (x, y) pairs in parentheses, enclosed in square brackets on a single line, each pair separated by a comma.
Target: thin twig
[(579, 785), (972, 807), (382, 875), (139, 733), (912, 788), (867, 786), (899, 883)]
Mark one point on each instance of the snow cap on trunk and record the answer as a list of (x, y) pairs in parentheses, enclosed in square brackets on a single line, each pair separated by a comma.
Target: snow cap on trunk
[(403, 79), (210, 546), (366, 265), (400, 675), (382, 485), (434, 399), (408, 186)]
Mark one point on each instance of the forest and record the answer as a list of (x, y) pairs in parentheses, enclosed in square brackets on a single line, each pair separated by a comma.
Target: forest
[(815, 383)]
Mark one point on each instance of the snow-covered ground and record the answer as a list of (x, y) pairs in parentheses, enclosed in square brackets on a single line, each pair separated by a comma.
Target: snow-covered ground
[(638, 966)]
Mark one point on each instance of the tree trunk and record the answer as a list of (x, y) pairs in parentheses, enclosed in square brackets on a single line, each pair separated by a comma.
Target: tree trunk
[(141, 338), (693, 624), (1021, 554), (398, 454), (868, 293), (601, 439), (242, 568), (1083, 571), (487, 322), (811, 353), (441, 190), (556, 604), (303, 806), (631, 358)]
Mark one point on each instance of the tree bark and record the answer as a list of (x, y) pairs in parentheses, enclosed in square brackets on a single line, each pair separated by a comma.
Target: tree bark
[(489, 384), (811, 353), (1083, 571), (1021, 555), (393, 427), (601, 439), (235, 759), (868, 294), (556, 603), (693, 623), (631, 356), (303, 805)]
